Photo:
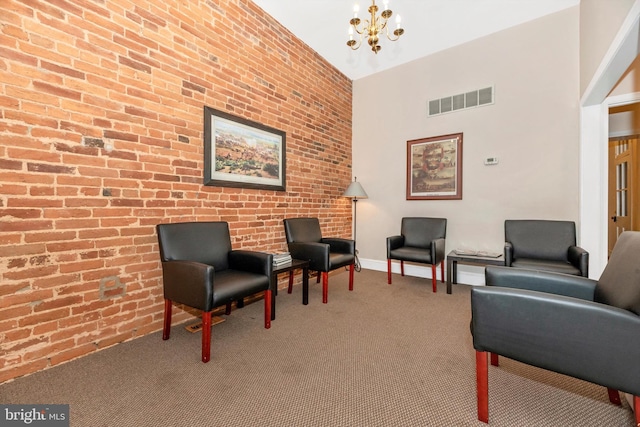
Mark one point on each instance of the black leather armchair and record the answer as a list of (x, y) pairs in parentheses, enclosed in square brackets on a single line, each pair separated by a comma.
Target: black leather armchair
[(200, 270), (572, 325), (544, 245), (325, 254), (421, 240)]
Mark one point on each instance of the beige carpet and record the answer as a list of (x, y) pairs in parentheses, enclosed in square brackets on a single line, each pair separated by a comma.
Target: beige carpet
[(381, 355)]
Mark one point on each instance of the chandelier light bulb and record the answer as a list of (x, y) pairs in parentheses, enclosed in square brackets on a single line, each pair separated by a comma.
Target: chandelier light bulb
[(373, 28)]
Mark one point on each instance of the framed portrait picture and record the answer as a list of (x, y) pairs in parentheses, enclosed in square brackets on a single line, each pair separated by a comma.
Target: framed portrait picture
[(434, 168), (242, 153)]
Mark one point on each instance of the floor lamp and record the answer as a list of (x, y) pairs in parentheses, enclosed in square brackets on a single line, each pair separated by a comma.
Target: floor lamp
[(355, 192)]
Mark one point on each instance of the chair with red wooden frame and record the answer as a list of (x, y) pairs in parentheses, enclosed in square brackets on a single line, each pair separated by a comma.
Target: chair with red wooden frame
[(421, 240), (325, 254), (200, 270), (568, 324)]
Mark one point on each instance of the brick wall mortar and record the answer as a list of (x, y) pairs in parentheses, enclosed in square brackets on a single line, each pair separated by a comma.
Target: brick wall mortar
[(101, 109)]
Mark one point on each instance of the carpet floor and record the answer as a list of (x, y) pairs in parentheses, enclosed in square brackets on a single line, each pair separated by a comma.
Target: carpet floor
[(381, 355)]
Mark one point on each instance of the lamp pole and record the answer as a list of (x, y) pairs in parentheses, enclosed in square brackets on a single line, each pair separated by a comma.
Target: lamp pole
[(355, 191), (355, 217)]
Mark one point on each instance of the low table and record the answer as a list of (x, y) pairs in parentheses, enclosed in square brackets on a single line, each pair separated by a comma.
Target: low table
[(290, 268), (453, 259)]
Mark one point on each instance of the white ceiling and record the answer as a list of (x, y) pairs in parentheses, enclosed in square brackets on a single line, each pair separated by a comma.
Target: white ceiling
[(430, 26)]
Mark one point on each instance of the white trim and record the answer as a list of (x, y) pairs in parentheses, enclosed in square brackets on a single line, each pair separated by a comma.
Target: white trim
[(622, 51), (593, 186), (413, 270), (624, 99), (626, 133)]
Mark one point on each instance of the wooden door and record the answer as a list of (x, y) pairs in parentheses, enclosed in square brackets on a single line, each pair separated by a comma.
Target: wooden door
[(622, 187)]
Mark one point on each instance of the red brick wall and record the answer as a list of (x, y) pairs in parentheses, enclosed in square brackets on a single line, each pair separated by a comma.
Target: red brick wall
[(101, 128)]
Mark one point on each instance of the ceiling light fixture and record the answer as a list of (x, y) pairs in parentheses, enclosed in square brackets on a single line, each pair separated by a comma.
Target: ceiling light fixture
[(371, 29)]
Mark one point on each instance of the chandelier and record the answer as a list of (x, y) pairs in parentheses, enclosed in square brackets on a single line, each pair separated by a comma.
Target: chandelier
[(372, 28)]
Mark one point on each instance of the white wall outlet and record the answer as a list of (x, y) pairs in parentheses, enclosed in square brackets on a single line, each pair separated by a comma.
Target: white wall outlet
[(491, 161)]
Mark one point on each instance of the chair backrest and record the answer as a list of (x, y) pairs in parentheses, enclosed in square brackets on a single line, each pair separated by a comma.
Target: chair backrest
[(540, 239), (298, 230), (205, 242), (619, 284), (418, 232)]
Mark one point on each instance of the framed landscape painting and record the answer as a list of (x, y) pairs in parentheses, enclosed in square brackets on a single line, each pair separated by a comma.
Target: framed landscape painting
[(434, 168), (242, 153)]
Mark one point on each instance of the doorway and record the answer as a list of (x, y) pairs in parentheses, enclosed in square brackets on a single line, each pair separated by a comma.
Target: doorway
[(596, 100)]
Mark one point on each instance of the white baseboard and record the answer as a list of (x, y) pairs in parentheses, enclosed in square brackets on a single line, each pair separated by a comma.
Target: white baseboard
[(414, 270)]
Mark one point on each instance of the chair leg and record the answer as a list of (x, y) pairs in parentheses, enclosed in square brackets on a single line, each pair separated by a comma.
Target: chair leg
[(442, 271), (433, 278), (166, 328), (206, 336), (227, 309), (325, 286), (614, 396), (352, 268), (290, 282), (482, 385), (389, 270), (494, 360), (636, 405), (267, 309), (402, 268), (317, 277)]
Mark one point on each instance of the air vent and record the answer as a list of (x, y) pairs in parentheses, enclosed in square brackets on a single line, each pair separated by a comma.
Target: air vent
[(476, 98)]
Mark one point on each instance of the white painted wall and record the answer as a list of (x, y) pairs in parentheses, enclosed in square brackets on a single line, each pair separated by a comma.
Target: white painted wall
[(533, 128), (624, 120), (599, 23)]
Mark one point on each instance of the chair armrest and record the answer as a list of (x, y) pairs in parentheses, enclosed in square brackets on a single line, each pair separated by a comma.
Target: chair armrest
[(584, 339), (508, 254), (339, 245), (189, 282), (316, 253), (252, 261), (394, 242), (437, 251), (579, 258), (541, 281)]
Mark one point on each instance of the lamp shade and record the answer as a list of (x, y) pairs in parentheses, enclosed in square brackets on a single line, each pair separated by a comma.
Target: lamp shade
[(355, 191)]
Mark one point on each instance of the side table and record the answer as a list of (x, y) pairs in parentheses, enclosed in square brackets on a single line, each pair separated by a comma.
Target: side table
[(290, 268), (453, 259)]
